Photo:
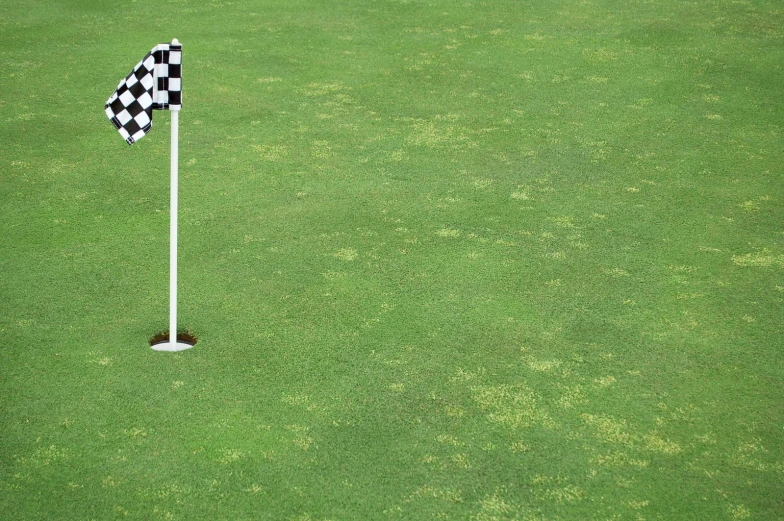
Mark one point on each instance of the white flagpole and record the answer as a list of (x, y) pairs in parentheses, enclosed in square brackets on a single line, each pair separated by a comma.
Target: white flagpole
[(175, 152), (173, 345)]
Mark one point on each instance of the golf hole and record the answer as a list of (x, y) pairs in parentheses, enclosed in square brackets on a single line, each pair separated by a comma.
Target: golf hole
[(184, 337)]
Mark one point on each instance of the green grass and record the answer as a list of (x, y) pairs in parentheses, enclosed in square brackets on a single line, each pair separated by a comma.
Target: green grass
[(479, 260)]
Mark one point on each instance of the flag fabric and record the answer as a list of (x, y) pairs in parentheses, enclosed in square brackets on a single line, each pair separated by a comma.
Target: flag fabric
[(154, 84)]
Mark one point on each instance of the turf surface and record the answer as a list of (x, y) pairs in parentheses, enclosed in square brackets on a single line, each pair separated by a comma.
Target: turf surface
[(478, 260)]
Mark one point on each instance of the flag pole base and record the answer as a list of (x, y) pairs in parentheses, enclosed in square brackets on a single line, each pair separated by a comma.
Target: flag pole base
[(169, 347), (161, 342)]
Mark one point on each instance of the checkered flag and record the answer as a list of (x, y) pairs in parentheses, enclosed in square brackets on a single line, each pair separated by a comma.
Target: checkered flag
[(154, 84)]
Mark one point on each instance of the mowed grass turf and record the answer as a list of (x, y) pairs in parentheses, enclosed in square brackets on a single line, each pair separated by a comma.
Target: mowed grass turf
[(478, 260)]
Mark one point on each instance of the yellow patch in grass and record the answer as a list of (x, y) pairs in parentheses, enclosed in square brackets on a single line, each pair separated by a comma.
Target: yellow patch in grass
[(513, 406), (346, 254)]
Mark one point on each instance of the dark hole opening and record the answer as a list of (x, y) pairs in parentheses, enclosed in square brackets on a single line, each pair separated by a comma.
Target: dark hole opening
[(182, 336)]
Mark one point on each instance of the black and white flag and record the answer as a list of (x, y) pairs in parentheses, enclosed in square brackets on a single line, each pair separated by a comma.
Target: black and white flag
[(154, 84)]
